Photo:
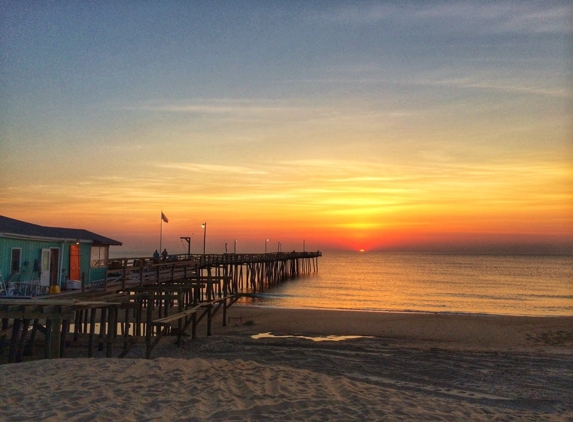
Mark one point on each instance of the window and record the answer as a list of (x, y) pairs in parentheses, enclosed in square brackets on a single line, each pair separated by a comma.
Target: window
[(99, 256), (15, 260)]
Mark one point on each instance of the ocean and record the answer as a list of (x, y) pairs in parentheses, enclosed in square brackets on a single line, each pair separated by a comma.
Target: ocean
[(418, 282), (522, 285)]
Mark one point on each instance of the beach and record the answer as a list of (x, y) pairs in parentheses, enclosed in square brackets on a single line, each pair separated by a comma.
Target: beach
[(303, 364)]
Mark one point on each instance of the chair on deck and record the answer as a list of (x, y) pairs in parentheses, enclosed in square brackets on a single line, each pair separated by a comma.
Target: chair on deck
[(3, 290)]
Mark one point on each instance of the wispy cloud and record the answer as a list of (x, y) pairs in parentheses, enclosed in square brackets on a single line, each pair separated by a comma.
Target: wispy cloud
[(492, 17), (540, 17), (210, 168), (254, 115), (474, 83), (217, 106), (357, 13), (241, 110)]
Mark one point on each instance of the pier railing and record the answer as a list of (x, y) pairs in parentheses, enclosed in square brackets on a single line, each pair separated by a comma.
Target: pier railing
[(249, 271)]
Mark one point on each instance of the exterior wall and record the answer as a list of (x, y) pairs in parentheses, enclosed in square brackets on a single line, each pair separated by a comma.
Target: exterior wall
[(32, 249), (90, 274), (96, 274)]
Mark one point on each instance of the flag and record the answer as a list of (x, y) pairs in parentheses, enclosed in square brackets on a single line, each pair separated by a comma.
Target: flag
[(164, 218)]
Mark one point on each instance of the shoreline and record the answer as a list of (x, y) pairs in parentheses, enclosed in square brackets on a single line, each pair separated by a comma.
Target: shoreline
[(460, 331), (405, 311)]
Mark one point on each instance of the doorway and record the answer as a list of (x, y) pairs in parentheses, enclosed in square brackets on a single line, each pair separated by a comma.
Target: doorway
[(54, 266), (45, 268), (75, 262)]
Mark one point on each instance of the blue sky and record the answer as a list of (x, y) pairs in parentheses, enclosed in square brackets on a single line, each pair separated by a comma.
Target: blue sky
[(354, 113)]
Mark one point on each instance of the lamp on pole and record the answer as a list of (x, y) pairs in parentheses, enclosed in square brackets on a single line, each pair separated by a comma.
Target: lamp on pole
[(204, 225), (266, 241)]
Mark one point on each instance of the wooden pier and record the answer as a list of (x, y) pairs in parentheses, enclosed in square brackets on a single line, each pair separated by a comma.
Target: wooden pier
[(140, 302), (248, 273)]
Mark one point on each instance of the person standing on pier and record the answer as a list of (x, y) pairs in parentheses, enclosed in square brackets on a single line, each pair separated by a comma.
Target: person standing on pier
[(164, 254)]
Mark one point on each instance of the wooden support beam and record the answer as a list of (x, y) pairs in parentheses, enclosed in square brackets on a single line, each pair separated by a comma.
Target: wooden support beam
[(194, 325), (65, 328), (22, 343), (3, 332), (127, 347), (91, 339), (111, 331), (49, 334), (14, 341), (55, 344), (149, 326), (175, 317), (30, 345), (102, 328)]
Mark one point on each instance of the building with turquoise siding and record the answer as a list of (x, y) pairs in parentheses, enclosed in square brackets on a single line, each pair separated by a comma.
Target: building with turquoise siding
[(35, 259)]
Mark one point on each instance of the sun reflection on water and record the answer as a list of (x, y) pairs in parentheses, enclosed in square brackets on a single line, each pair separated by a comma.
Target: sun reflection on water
[(318, 338)]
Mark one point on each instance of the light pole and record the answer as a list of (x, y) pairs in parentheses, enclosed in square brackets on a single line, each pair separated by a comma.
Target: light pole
[(303, 245), (204, 225), (235, 248), (266, 241), (188, 240)]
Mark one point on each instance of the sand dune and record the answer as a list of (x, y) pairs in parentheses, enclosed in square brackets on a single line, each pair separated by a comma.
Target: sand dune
[(201, 389)]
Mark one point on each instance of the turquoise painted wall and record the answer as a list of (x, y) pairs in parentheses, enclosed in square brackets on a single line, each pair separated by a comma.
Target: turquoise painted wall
[(32, 250)]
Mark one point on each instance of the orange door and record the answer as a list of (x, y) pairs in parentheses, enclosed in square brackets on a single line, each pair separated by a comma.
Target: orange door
[(75, 262)]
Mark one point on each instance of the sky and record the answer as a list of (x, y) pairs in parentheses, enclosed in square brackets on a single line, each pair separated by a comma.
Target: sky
[(411, 125)]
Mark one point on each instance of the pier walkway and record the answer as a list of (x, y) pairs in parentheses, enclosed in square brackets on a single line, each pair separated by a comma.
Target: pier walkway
[(248, 272), (140, 301)]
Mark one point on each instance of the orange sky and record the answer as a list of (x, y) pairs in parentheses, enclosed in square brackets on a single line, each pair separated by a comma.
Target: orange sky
[(455, 133), (327, 208)]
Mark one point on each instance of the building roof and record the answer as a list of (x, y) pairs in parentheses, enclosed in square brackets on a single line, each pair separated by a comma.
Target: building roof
[(10, 227)]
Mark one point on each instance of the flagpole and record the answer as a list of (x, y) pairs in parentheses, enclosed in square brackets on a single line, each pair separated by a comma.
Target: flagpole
[(160, 230)]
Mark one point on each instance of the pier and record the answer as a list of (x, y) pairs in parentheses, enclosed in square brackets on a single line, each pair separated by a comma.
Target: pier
[(141, 301), (246, 273)]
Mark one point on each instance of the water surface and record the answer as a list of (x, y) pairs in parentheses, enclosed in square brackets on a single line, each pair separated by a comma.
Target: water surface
[(415, 282)]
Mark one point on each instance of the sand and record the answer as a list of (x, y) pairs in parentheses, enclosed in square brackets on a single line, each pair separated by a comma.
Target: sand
[(390, 367)]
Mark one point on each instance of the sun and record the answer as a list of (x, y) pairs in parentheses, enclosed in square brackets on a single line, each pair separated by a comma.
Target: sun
[(361, 250)]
